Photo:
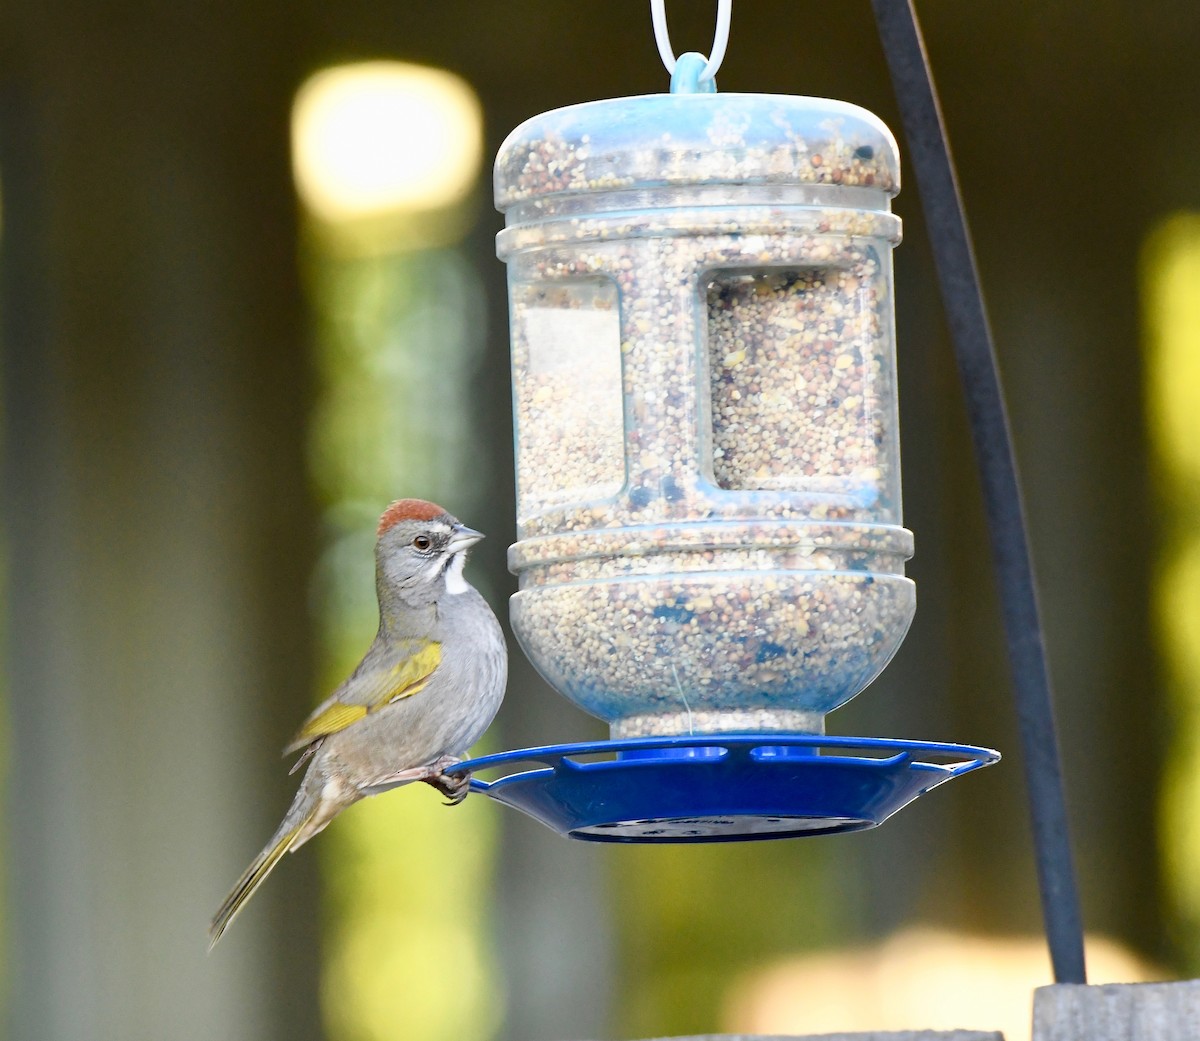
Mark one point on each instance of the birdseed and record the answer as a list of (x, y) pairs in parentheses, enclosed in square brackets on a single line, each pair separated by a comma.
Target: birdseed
[(726, 371)]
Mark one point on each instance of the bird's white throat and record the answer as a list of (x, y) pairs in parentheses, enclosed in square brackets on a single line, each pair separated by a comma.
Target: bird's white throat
[(455, 583)]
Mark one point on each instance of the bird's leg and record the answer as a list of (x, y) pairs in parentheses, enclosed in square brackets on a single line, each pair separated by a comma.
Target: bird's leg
[(437, 774), (454, 786), (385, 782)]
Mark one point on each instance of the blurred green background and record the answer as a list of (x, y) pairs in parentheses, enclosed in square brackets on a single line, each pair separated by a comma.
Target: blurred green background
[(212, 386)]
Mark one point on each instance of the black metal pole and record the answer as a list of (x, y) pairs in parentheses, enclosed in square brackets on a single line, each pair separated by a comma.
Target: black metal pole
[(929, 155)]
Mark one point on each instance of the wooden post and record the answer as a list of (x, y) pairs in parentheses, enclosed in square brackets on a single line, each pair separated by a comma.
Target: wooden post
[(1117, 1012)]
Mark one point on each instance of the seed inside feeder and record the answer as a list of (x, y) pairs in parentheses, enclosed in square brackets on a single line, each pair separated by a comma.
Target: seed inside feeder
[(703, 363)]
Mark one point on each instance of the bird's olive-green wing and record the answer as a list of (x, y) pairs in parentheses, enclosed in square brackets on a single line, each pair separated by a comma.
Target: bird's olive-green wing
[(369, 690)]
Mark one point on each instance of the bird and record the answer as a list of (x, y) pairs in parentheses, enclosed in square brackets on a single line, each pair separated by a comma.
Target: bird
[(428, 687)]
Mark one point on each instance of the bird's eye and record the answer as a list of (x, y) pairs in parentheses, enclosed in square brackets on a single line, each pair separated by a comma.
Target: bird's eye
[(422, 543)]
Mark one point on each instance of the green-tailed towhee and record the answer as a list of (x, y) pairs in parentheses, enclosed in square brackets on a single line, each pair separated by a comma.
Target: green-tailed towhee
[(425, 691)]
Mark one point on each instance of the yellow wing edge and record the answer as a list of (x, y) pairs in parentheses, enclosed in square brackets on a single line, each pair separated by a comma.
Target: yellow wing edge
[(406, 678)]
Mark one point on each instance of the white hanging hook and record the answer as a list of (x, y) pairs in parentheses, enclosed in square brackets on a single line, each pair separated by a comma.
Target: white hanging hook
[(658, 14)]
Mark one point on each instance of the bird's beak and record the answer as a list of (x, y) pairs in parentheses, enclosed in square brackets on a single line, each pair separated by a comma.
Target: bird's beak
[(462, 537)]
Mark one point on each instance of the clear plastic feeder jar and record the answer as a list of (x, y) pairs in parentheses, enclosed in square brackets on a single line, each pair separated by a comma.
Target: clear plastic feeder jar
[(708, 470)]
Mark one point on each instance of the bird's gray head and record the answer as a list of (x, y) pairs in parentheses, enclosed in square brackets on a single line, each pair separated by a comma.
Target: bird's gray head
[(421, 550)]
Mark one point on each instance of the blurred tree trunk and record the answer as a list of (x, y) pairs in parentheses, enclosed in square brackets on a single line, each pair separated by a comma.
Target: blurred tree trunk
[(158, 528)]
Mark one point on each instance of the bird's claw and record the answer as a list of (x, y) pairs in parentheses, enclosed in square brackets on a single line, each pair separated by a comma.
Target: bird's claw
[(454, 786)]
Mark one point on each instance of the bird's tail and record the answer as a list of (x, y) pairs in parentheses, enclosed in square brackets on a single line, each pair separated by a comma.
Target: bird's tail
[(315, 806), (283, 841)]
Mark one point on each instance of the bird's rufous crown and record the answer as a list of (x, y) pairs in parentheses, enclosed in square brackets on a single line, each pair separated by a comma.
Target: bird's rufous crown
[(409, 510)]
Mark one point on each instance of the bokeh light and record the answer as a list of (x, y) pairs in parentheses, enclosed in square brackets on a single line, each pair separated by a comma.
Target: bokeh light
[(377, 138), (1171, 315), (377, 147), (917, 979)]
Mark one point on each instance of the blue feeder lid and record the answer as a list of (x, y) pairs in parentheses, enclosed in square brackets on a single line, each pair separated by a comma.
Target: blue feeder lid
[(722, 787)]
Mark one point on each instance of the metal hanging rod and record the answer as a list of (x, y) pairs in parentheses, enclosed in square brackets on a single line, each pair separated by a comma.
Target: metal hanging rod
[(937, 183)]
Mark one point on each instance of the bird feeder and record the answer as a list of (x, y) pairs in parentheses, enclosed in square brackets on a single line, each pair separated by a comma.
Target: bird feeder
[(710, 542), (708, 466)]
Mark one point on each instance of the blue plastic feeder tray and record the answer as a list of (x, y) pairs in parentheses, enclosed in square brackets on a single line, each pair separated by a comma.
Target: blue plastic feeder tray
[(721, 787)]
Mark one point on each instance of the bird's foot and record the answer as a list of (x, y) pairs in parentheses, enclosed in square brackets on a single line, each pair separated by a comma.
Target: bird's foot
[(454, 786)]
